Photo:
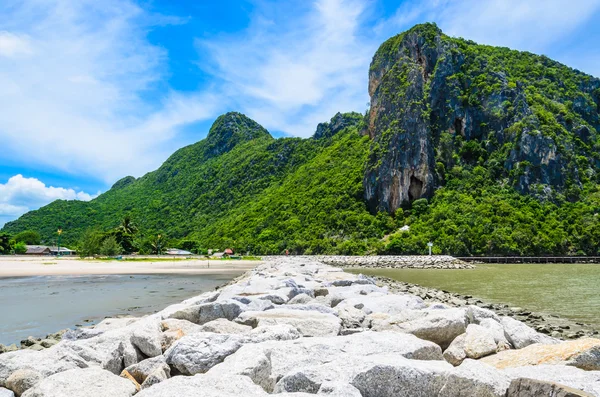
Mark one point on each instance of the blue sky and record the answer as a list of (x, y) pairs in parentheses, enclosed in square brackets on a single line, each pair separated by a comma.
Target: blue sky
[(96, 90)]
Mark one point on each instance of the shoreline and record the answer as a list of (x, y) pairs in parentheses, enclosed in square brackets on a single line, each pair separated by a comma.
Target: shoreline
[(545, 323), (50, 266)]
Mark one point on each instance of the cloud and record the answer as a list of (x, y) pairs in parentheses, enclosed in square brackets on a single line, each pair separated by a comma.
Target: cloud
[(19, 195), (84, 90), (291, 70), (12, 45)]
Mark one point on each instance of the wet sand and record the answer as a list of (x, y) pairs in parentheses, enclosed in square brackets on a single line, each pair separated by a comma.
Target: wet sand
[(19, 266)]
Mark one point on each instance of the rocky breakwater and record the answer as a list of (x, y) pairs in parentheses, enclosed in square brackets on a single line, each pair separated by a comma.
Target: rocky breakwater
[(396, 262), (297, 327)]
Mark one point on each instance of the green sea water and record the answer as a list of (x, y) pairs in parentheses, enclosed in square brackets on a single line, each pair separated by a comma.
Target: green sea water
[(567, 290)]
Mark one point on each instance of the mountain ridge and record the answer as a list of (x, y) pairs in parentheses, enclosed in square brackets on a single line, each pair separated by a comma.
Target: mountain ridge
[(482, 150)]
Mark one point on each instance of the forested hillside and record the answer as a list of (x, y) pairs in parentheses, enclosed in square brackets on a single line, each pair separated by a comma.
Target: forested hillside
[(481, 150)]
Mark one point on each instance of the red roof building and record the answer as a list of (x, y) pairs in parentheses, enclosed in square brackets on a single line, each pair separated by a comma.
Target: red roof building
[(228, 251)]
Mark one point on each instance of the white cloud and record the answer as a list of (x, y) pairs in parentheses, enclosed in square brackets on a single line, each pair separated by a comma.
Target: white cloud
[(296, 69), (21, 194), (12, 45), (535, 25), (75, 91)]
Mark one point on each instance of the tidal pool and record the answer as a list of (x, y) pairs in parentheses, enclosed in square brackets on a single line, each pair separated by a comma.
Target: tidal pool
[(42, 305), (567, 290)]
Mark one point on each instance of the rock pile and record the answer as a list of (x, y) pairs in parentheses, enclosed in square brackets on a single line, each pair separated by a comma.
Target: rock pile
[(296, 327), (395, 262), (545, 323)]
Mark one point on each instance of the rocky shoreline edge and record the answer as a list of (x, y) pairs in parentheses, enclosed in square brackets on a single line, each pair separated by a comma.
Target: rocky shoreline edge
[(394, 261), (298, 327), (550, 324)]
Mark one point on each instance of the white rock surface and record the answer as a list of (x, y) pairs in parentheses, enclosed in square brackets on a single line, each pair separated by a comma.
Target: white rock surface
[(90, 382), (520, 335), (6, 393), (308, 323), (224, 326), (438, 326), (204, 386), (479, 341), (267, 362), (197, 353), (588, 381)]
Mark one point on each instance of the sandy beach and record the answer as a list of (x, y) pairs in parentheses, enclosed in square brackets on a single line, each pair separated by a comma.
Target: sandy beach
[(20, 266)]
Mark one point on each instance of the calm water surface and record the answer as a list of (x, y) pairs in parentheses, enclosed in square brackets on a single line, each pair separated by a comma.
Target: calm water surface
[(42, 305), (569, 290)]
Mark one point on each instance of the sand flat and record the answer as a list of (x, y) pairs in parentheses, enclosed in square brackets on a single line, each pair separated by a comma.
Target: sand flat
[(21, 266)]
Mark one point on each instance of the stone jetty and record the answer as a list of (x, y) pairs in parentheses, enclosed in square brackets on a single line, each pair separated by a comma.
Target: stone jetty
[(299, 327), (395, 261)]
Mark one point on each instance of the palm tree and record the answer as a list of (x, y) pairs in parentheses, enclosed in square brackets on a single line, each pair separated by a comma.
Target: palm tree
[(127, 226)]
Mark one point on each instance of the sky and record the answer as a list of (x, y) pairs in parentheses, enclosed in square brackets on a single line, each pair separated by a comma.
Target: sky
[(92, 91)]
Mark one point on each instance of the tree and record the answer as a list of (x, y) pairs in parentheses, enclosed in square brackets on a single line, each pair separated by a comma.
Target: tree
[(90, 243), (20, 248), (4, 243), (110, 247), (28, 237), (158, 244), (127, 226)]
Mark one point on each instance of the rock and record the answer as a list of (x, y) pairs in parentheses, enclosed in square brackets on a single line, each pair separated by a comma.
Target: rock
[(475, 379), (479, 342), (308, 323), (155, 377), (338, 389), (143, 369), (30, 341), (46, 362), (206, 312), (22, 380), (520, 335), (8, 349), (197, 353), (57, 336), (6, 393), (114, 323), (186, 327), (388, 376), (438, 326), (477, 314), (36, 347), (268, 362), (588, 381), (390, 304), (89, 382), (455, 353), (272, 332), (46, 343), (204, 385), (300, 299), (523, 387), (351, 318), (223, 326), (580, 353), (497, 331), (147, 336)]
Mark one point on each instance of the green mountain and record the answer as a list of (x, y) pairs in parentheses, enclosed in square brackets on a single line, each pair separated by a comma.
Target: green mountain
[(481, 150)]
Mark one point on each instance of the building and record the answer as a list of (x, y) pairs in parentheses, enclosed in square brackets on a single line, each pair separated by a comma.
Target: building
[(37, 250), (228, 252), (64, 251), (175, 251), (45, 250)]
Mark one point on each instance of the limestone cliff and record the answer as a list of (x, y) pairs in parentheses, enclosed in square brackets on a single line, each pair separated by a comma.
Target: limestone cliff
[(438, 103)]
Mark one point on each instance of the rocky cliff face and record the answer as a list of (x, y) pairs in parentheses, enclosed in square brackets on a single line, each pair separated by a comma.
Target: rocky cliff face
[(438, 103)]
